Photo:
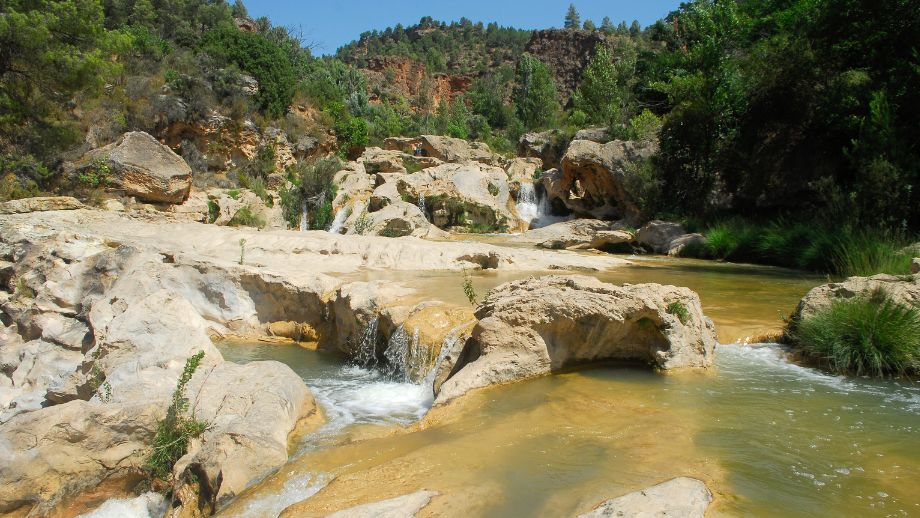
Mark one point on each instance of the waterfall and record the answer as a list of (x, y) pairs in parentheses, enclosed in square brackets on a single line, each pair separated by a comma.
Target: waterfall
[(304, 216), (338, 223), (446, 346), (397, 355), (366, 355), (528, 206)]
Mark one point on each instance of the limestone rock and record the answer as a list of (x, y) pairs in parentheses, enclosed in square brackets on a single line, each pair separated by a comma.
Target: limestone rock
[(903, 290), (536, 326), (459, 195), (595, 134), (447, 149), (678, 243), (595, 177), (144, 168), (680, 497), (39, 204), (915, 266), (406, 506), (548, 146), (64, 449), (378, 160), (401, 219), (250, 410), (658, 235), (580, 234)]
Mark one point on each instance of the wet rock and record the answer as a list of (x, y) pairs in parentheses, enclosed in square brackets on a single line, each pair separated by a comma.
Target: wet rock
[(595, 178), (40, 204), (405, 506), (901, 289), (657, 235), (680, 497), (144, 168), (537, 326)]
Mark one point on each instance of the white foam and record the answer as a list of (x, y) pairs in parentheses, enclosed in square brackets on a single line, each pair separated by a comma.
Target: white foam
[(148, 505), (296, 489)]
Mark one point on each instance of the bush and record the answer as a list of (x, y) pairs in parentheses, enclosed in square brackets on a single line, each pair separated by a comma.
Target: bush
[(870, 335), (176, 429), (245, 218), (679, 310)]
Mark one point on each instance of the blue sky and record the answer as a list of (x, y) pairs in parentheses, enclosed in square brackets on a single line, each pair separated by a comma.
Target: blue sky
[(331, 24)]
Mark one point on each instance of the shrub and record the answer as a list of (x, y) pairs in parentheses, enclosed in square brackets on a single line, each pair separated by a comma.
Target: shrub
[(468, 288), (176, 429), (644, 127), (363, 224), (245, 218), (213, 211), (870, 335)]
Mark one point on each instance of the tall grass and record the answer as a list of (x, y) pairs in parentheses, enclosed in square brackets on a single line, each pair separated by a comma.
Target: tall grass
[(818, 247), (869, 335)]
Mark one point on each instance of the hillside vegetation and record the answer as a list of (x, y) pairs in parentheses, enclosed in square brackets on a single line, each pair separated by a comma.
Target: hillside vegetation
[(763, 108)]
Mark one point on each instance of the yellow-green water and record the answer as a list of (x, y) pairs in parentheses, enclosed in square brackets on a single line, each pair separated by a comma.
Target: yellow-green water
[(770, 438)]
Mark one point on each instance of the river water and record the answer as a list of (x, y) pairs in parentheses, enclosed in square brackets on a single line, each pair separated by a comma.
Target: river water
[(769, 437)]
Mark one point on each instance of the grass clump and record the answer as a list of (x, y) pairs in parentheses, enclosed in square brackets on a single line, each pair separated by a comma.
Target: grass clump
[(869, 335), (679, 310), (176, 429)]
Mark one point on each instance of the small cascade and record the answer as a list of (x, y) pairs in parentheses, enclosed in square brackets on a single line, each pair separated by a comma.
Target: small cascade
[(366, 355), (338, 223), (397, 355), (528, 205), (304, 217), (421, 204), (446, 346)]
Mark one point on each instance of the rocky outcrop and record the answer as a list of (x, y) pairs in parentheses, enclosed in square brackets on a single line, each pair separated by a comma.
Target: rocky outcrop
[(595, 134), (540, 325), (462, 195), (400, 219), (377, 160), (657, 235), (684, 497), (142, 167), (677, 245), (411, 79), (581, 234), (900, 289), (447, 149), (566, 52), (40, 204), (406, 506), (595, 178), (548, 146)]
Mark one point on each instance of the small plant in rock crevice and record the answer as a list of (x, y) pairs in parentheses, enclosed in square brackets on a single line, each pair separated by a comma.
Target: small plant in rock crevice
[(175, 430), (363, 224), (679, 310)]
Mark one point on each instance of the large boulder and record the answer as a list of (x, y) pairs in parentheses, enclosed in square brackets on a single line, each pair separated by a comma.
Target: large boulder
[(581, 234), (143, 167), (903, 290), (447, 149), (596, 178), (400, 219), (657, 235), (597, 134), (540, 325), (462, 195), (679, 497)]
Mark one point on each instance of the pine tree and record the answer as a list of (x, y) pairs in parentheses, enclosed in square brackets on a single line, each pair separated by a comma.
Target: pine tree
[(572, 20), (605, 91), (143, 14), (534, 92), (635, 29), (607, 25), (239, 10), (589, 25)]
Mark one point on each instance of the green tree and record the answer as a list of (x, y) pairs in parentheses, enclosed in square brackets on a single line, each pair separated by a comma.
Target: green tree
[(143, 14), (589, 25), (572, 20), (605, 91), (635, 29), (239, 10), (607, 26), (49, 51), (534, 93), (269, 63)]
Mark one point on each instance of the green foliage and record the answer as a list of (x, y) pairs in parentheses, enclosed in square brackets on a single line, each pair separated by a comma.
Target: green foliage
[(213, 211), (644, 127), (534, 93), (312, 184), (246, 218), (95, 174), (363, 224), (21, 177), (605, 92), (176, 430), (493, 189), (468, 288), (266, 60), (869, 335), (257, 186), (679, 310), (572, 20), (816, 246)]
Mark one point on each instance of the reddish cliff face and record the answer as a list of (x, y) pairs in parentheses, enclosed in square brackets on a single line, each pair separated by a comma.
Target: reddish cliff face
[(409, 78), (566, 52)]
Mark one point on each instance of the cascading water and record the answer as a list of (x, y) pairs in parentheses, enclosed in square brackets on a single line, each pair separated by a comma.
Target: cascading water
[(398, 354), (304, 217), (528, 206), (421, 204), (338, 223), (366, 355)]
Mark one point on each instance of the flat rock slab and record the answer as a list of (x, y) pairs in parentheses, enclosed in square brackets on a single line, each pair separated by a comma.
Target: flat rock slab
[(405, 506), (680, 497), (40, 204)]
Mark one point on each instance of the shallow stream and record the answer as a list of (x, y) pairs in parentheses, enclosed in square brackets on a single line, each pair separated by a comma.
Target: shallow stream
[(769, 437)]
